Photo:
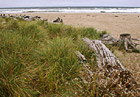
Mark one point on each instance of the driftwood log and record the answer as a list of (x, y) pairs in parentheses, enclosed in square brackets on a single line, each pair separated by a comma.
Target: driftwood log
[(104, 55), (125, 40), (112, 77)]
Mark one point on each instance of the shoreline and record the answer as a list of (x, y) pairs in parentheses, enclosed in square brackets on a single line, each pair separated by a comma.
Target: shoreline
[(74, 12)]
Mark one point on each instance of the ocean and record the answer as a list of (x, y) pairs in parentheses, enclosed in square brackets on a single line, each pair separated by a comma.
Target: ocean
[(71, 9)]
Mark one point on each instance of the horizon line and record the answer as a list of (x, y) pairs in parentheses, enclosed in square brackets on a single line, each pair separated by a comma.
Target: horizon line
[(71, 7)]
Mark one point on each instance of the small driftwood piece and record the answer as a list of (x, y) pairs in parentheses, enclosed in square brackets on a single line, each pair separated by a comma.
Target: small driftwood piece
[(89, 77), (107, 39), (58, 20), (136, 39), (81, 57), (84, 62), (104, 55), (125, 39)]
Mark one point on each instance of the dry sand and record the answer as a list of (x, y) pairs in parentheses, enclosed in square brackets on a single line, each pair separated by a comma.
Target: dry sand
[(113, 23)]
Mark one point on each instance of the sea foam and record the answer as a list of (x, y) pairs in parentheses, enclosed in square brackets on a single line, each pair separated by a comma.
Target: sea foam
[(72, 10)]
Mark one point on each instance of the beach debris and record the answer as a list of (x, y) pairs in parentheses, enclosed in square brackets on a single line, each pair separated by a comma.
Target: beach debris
[(58, 20), (3, 15), (61, 21), (37, 17), (108, 39), (27, 18), (24, 17), (125, 40), (88, 14), (111, 77)]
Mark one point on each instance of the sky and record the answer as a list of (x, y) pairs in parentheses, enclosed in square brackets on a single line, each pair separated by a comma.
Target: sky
[(47, 3)]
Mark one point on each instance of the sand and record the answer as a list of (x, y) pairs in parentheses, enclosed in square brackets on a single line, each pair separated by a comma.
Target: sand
[(113, 23)]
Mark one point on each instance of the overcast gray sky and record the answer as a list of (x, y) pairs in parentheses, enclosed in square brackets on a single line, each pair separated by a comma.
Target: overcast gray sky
[(34, 3)]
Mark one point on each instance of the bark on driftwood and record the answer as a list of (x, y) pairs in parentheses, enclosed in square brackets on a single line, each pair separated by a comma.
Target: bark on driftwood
[(125, 39)]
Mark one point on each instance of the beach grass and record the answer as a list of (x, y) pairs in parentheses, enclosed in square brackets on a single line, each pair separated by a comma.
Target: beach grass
[(37, 59)]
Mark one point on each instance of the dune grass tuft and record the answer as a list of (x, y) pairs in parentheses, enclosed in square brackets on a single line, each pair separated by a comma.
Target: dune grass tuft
[(38, 58)]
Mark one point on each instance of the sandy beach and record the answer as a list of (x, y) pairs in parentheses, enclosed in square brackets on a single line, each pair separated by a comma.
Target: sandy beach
[(113, 23)]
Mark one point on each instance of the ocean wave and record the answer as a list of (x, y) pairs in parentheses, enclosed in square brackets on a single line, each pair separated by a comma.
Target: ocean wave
[(73, 10)]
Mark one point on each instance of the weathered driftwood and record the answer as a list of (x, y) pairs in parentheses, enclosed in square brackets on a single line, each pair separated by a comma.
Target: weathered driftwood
[(108, 39), (125, 39), (111, 75), (104, 55)]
